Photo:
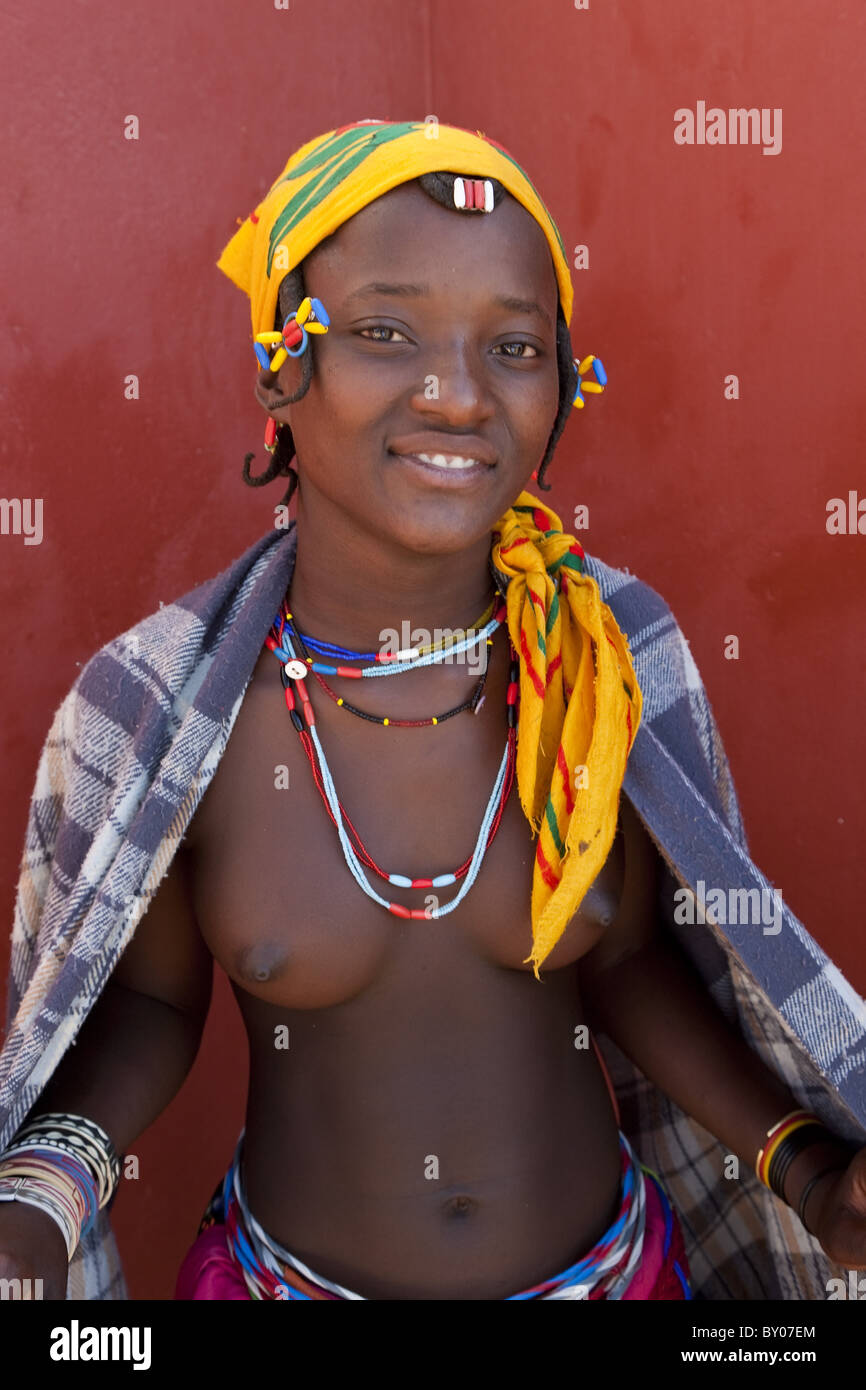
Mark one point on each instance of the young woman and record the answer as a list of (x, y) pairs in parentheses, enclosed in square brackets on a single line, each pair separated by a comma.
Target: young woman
[(427, 1116)]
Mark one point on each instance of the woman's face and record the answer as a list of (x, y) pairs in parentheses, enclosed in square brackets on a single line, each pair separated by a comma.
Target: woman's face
[(446, 367)]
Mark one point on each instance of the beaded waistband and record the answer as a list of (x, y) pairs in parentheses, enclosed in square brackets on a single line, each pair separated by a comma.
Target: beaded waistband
[(272, 1272)]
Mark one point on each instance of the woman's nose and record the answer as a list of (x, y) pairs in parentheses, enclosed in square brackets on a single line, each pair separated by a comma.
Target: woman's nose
[(454, 387)]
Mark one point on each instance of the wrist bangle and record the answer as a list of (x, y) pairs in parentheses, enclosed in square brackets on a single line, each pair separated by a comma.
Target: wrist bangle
[(795, 1119), (789, 1146), (35, 1194), (82, 1139), (804, 1195)]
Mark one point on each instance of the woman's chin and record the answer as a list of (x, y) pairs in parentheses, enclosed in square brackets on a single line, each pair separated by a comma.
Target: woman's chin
[(441, 517)]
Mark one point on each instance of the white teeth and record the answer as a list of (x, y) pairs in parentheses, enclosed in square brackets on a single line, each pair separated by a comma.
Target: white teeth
[(446, 460)]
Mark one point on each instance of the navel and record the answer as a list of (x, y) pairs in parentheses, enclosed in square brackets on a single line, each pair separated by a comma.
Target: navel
[(264, 961), (460, 1206)]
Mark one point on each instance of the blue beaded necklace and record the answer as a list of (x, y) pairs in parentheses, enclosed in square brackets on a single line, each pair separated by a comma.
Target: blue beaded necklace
[(412, 662), (345, 654)]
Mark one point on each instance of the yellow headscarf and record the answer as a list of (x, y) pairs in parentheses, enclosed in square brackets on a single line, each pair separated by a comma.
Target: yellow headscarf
[(332, 177), (580, 703)]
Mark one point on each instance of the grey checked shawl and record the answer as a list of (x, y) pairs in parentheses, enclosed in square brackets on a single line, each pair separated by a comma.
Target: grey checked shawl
[(133, 747)]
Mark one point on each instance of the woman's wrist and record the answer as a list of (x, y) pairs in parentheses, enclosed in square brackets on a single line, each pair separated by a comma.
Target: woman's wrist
[(831, 1153)]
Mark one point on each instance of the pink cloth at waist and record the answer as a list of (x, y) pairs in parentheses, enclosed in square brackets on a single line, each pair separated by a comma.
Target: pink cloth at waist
[(209, 1271)]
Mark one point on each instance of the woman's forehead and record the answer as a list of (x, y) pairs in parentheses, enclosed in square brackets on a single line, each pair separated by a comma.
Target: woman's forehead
[(407, 236)]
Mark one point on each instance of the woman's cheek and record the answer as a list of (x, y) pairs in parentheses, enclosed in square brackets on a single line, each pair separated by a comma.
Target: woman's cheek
[(537, 416)]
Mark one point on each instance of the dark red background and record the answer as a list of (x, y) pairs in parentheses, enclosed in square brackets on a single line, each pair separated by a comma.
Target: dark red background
[(704, 261)]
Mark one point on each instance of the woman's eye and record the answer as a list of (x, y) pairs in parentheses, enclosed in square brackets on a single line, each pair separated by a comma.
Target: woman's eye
[(526, 349), (382, 328), (519, 344)]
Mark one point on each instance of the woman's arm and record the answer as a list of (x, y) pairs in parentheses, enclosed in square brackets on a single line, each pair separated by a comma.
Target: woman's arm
[(640, 989), (138, 1043), (131, 1057)]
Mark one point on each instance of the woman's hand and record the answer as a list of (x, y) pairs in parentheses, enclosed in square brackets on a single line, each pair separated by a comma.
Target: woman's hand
[(32, 1247), (836, 1213)]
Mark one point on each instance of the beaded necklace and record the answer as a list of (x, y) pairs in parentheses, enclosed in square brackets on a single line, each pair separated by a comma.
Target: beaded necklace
[(474, 702), (386, 665), (331, 648), (400, 880), (324, 781)]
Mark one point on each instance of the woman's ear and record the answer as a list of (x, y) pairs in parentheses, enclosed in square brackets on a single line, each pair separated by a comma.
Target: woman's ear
[(263, 389), (275, 386)]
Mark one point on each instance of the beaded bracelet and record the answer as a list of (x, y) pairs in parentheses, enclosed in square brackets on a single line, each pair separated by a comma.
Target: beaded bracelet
[(26, 1191), (65, 1165), (68, 1197), (62, 1153), (77, 1136)]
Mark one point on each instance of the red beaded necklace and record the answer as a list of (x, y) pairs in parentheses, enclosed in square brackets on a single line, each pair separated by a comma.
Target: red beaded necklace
[(511, 707), (363, 854)]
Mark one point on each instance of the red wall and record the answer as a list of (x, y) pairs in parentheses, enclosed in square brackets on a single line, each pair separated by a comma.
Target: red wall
[(704, 261)]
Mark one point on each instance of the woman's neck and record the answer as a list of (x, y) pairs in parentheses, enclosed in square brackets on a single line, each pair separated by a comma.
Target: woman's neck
[(349, 588)]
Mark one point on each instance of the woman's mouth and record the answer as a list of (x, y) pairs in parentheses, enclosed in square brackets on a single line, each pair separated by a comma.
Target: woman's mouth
[(451, 467)]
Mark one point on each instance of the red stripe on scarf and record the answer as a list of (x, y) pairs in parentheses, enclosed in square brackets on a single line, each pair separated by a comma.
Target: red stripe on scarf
[(556, 662), (527, 657), (504, 549), (547, 873), (566, 778)]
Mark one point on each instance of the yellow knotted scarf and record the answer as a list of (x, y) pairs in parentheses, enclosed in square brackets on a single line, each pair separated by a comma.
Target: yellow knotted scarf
[(580, 707), (580, 703)]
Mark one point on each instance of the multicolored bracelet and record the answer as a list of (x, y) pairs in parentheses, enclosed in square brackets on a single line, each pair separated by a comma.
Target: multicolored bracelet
[(796, 1131), (794, 1120), (83, 1139), (65, 1191), (64, 1164)]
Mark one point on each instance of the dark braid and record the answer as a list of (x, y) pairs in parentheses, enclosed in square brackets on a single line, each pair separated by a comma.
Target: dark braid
[(440, 187)]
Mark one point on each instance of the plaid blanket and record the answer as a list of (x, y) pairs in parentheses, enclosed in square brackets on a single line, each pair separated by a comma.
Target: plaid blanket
[(135, 743)]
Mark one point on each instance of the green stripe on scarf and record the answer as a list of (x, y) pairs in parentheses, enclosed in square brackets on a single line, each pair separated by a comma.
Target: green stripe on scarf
[(550, 817)]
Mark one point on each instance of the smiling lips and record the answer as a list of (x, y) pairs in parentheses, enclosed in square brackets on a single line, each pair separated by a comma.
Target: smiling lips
[(473, 454), (445, 460)]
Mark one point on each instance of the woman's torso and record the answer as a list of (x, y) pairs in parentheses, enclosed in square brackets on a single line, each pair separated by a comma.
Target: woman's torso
[(431, 1130)]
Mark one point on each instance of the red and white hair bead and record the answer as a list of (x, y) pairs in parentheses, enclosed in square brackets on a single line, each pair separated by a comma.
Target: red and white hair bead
[(475, 195)]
